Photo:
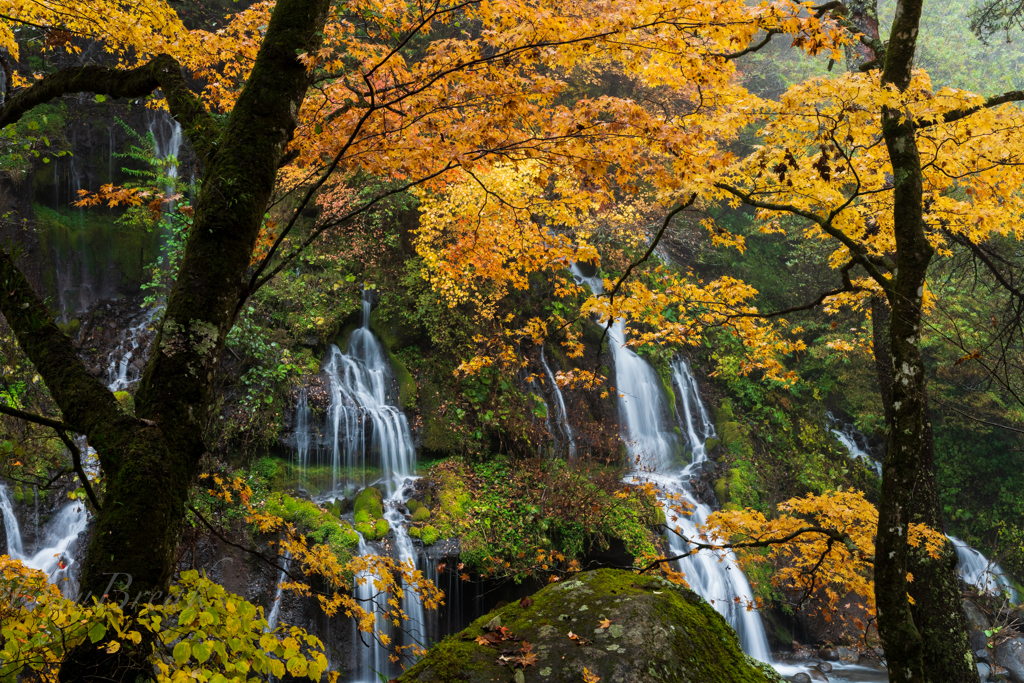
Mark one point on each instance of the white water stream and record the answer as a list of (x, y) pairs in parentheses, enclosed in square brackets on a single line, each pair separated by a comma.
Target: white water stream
[(652, 445), (367, 429), (52, 554), (561, 415), (854, 441), (980, 572)]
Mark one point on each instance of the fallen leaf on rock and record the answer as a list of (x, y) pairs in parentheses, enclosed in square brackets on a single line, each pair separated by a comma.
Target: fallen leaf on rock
[(579, 640), (589, 677), (526, 602), (605, 623)]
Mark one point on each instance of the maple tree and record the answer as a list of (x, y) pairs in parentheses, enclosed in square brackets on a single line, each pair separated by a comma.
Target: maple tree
[(491, 123), (823, 545)]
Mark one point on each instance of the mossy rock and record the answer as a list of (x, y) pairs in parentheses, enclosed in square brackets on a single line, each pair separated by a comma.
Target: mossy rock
[(407, 389), (341, 341), (413, 505), (126, 401), (659, 632), (429, 535), (422, 514), (371, 501), (71, 327), (414, 532), (393, 333), (382, 528), (438, 437), (366, 529), (361, 517)]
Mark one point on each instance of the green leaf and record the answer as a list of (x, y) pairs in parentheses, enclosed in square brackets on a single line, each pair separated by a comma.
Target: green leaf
[(101, 98), (182, 651), (201, 651), (97, 632)]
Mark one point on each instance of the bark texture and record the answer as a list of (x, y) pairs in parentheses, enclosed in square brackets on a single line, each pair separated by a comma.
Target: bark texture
[(929, 641), (150, 461)]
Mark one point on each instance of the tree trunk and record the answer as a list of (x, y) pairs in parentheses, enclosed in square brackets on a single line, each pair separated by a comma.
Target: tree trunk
[(933, 646), (150, 462)]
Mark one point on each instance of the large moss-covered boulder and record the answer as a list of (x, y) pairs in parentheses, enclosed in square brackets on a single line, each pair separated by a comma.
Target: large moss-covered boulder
[(628, 629)]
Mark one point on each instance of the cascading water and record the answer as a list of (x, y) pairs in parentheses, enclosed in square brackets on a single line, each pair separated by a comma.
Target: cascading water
[(652, 447), (854, 441), (976, 570), (123, 367), (560, 412), (52, 556), (275, 609), (366, 428), (368, 441)]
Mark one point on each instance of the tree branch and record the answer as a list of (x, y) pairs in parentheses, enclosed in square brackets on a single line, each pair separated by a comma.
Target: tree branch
[(83, 400), (32, 417), (831, 534), (163, 71), (76, 459), (958, 114)]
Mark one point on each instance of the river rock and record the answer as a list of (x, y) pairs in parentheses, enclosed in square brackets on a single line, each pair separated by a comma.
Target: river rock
[(984, 671), (801, 678), (824, 667), (977, 622), (1009, 654), (619, 626)]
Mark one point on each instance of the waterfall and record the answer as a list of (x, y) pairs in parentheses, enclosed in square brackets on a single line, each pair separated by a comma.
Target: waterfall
[(365, 426), (854, 441), (371, 659), (52, 556), (367, 432), (561, 414), (714, 576), (976, 570), (121, 371), (14, 545), (275, 609)]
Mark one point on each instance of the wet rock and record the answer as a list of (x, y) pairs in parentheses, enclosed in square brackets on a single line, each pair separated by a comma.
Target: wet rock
[(824, 667), (977, 622), (984, 671), (848, 655), (616, 624), (1009, 654), (828, 654), (982, 655), (801, 678), (817, 675)]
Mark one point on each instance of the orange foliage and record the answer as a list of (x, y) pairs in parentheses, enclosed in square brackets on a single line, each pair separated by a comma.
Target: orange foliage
[(812, 564)]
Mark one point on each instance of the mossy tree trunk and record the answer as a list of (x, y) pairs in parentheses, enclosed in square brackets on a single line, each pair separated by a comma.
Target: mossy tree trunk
[(150, 461), (926, 642)]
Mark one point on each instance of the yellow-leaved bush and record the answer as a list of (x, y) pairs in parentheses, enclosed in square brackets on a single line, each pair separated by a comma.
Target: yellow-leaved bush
[(200, 631)]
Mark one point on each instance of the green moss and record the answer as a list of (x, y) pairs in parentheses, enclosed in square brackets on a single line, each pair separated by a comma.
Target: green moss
[(414, 532), (126, 401), (407, 389), (313, 521), (413, 505), (430, 535), (71, 327), (660, 633), (422, 514), (362, 517), (371, 501), (382, 528)]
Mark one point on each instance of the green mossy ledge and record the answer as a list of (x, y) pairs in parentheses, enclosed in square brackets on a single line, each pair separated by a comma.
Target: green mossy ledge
[(368, 514), (659, 633)]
